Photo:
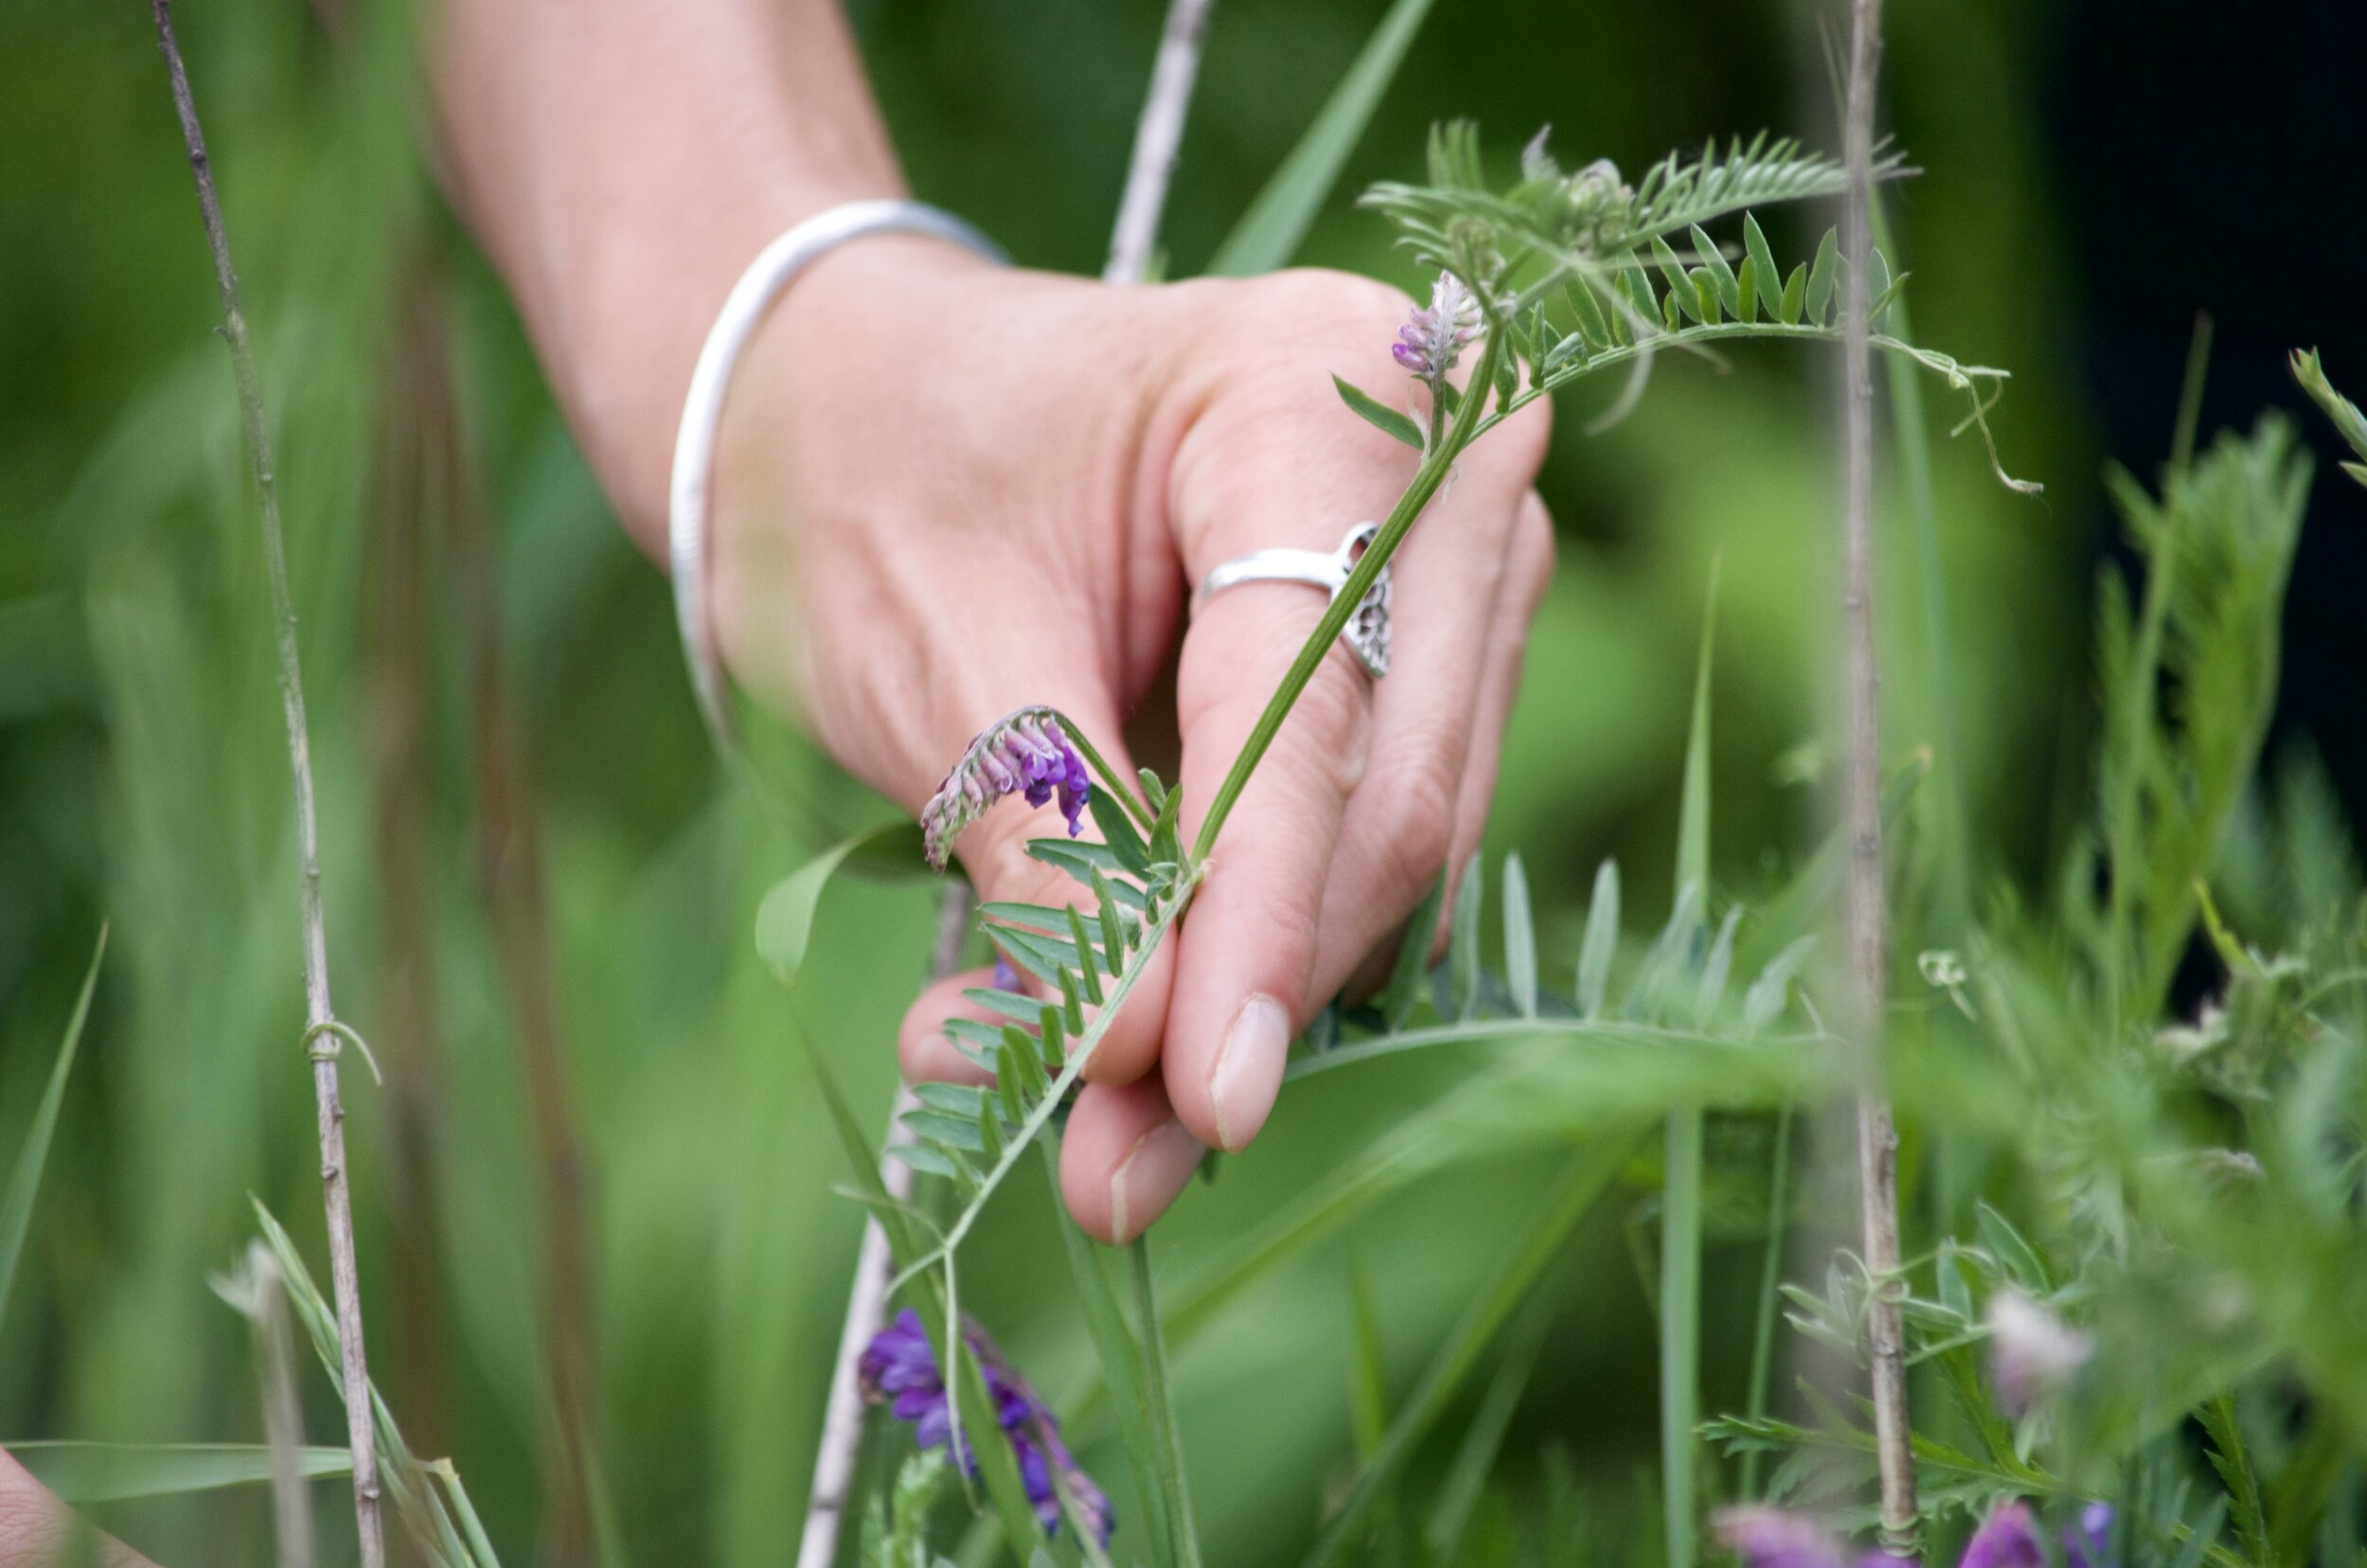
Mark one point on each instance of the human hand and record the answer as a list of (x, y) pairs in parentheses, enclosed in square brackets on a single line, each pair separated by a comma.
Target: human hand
[(946, 491)]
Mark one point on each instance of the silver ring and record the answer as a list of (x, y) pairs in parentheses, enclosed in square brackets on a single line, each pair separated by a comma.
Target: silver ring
[(1367, 631)]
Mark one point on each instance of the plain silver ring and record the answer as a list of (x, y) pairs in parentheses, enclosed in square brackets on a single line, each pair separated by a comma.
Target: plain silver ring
[(1367, 631)]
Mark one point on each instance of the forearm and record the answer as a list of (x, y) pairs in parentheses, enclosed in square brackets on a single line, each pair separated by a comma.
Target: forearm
[(621, 161)]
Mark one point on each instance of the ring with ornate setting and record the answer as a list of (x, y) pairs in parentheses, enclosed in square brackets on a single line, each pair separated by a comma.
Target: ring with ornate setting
[(1367, 631)]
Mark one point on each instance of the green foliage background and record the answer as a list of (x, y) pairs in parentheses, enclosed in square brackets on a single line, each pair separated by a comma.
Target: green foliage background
[(142, 775)]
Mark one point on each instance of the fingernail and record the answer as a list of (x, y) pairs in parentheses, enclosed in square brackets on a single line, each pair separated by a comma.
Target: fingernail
[(1147, 1181), (1248, 1073)]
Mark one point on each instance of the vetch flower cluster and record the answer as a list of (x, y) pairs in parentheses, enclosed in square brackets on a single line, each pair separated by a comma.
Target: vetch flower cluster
[(1434, 337), (899, 1369), (1024, 752)]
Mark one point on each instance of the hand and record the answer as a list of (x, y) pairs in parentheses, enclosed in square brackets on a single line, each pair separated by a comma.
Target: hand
[(947, 490)]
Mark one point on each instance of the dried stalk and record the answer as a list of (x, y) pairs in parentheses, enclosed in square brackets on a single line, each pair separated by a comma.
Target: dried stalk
[(1157, 135), (1878, 1141), (841, 1418), (322, 1032)]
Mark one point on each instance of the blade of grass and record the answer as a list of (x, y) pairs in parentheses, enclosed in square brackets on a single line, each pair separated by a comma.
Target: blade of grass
[(1770, 1279), (1680, 1181), (1465, 1478), (113, 1473), (16, 1209), (1581, 1184), (1270, 232), (1119, 1353), (1160, 1408)]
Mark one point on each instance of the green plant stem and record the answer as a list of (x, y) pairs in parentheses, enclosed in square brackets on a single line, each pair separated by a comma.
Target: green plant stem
[(1160, 1411), (1679, 1328), (1771, 1281), (1120, 1354), (1427, 479)]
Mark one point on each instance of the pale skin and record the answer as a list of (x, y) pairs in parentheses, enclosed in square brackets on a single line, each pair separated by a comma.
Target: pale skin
[(947, 490)]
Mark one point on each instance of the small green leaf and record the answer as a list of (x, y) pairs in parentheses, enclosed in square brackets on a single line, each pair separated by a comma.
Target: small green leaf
[(1027, 917), (1380, 416), (1463, 940), (1029, 1049), (1588, 312), (1705, 294), (1008, 1077), (1508, 380), (1050, 1039), (1570, 350), (2011, 1248), (1763, 269), (1795, 297), (1009, 1005), (1882, 300), (1723, 276), (1166, 848), (1113, 942), (1022, 953), (1519, 939), (1601, 942), (1405, 977), (1117, 829), (1747, 289), (936, 1127), (1820, 276), (1878, 281), (1764, 999), (1680, 282), (924, 1159), (785, 919), (1087, 958), (955, 1099)]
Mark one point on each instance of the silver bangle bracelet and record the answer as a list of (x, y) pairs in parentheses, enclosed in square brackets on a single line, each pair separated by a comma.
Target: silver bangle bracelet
[(690, 494)]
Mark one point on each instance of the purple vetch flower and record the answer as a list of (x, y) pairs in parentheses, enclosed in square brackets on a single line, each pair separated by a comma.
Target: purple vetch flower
[(2086, 1543), (2032, 1352), (1026, 752), (899, 1369), (2007, 1539), (1431, 341)]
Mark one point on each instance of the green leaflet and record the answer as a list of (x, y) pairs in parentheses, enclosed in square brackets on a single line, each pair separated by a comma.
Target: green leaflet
[(785, 919), (111, 1472)]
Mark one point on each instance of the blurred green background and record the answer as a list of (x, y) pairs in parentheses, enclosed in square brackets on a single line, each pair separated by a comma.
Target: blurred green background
[(541, 888)]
